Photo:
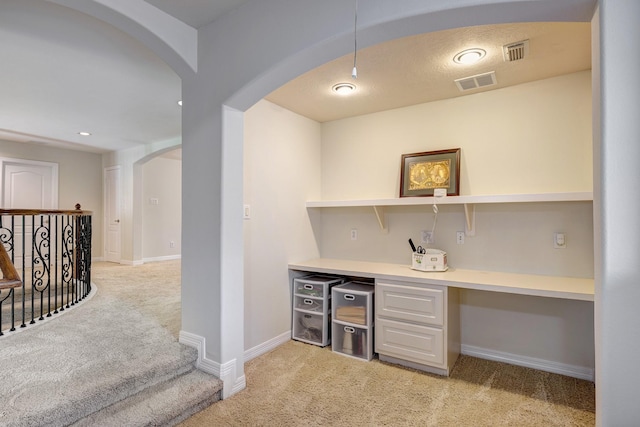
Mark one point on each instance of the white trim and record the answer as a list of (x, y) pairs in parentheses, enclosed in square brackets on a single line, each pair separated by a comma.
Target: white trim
[(226, 371), (267, 346), (574, 371), (132, 263), (161, 258)]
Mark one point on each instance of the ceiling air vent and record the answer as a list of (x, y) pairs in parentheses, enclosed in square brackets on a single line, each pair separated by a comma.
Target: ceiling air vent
[(515, 51), (477, 81)]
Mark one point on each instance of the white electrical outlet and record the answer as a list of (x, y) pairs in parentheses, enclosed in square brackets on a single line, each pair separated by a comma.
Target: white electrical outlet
[(172, 244), (559, 241), (460, 237), (427, 237), (354, 234)]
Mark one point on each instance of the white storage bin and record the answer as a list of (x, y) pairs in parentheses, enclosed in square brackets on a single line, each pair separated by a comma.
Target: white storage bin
[(353, 303), (351, 340), (311, 328), (315, 286), (311, 319)]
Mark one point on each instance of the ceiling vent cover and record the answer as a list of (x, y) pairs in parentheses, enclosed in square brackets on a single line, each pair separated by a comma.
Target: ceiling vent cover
[(515, 51), (477, 81)]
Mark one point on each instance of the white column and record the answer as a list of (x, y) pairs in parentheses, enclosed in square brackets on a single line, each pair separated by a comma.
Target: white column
[(617, 200)]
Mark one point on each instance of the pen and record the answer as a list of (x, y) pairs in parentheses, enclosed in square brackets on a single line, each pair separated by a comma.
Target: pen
[(413, 247)]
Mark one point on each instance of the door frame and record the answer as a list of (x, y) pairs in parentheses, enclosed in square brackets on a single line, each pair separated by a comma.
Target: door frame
[(106, 209)]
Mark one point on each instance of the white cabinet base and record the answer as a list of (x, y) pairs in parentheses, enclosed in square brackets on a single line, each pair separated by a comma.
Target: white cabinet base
[(417, 325), (413, 365)]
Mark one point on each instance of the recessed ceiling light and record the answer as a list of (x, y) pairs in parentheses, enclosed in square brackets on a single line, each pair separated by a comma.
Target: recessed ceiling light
[(469, 56), (84, 133), (344, 88), (180, 103)]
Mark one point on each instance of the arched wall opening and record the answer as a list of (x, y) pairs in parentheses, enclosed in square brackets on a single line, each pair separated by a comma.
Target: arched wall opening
[(157, 205)]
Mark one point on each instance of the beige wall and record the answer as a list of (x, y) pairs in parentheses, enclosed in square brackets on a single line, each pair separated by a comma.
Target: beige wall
[(79, 180), (161, 222), (532, 138), (281, 172)]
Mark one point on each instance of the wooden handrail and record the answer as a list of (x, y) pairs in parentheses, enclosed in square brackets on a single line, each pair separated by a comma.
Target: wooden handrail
[(43, 212), (10, 279)]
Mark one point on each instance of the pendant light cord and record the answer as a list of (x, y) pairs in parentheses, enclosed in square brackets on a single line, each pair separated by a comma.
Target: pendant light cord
[(354, 73)]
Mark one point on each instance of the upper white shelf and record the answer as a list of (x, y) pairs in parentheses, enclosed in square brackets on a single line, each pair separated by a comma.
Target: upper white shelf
[(456, 200)]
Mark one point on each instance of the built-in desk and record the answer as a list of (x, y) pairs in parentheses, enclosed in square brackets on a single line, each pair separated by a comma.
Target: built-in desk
[(512, 283), (417, 313)]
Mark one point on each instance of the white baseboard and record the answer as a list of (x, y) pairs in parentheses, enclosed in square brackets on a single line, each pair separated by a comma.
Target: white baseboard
[(151, 259), (226, 371), (162, 258), (266, 346), (580, 372), (131, 263)]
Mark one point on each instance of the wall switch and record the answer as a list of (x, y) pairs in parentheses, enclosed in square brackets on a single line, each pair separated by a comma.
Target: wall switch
[(154, 201), (172, 244), (559, 241), (427, 237), (246, 212), (460, 237), (354, 234)]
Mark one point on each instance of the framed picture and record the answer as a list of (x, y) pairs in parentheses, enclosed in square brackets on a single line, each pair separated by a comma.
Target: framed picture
[(422, 173)]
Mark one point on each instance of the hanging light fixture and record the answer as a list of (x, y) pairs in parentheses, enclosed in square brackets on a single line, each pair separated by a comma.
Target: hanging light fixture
[(354, 72)]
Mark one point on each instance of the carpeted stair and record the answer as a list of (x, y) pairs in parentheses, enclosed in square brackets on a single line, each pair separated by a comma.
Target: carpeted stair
[(103, 363), (164, 404)]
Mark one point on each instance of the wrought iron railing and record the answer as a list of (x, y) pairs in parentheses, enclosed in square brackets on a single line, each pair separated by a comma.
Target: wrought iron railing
[(50, 251)]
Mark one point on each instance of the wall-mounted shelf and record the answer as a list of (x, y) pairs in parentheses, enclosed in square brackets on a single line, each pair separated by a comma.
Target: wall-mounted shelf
[(469, 203)]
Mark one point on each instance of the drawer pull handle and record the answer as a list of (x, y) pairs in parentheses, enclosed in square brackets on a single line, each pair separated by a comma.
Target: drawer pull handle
[(349, 329), (349, 297), (308, 286), (308, 301)]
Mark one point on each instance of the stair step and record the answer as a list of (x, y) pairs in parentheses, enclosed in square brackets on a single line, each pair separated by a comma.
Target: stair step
[(165, 404)]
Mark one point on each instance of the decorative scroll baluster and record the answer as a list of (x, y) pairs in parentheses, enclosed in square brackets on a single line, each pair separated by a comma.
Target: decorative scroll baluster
[(52, 250)]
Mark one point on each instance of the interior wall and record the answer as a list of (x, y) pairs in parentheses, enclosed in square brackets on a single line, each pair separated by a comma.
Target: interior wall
[(532, 138), (79, 180), (496, 131), (161, 209), (281, 172), (131, 162)]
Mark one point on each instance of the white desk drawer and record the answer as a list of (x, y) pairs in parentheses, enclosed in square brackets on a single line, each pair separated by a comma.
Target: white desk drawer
[(415, 343), (409, 303)]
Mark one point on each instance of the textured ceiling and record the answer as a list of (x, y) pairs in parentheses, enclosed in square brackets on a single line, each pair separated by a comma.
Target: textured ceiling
[(420, 68)]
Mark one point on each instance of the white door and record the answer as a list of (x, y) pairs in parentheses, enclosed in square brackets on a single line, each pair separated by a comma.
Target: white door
[(112, 214), (27, 184)]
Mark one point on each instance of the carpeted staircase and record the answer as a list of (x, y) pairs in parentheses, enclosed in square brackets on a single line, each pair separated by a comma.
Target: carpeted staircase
[(165, 401), (106, 362)]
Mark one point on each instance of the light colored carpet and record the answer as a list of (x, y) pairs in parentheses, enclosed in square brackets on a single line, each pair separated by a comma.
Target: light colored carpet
[(106, 349), (300, 384)]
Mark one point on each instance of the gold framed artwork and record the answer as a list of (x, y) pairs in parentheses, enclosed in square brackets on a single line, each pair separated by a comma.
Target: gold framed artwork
[(422, 173)]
